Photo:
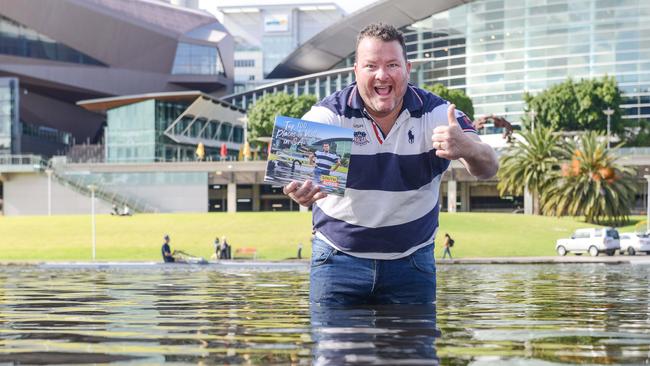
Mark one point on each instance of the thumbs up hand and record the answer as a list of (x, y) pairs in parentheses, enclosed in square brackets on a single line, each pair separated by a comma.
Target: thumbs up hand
[(449, 141)]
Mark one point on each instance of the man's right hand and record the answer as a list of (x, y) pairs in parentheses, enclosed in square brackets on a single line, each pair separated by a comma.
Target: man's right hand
[(304, 194)]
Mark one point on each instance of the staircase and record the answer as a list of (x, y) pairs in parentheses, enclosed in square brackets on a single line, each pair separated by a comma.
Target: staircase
[(82, 183)]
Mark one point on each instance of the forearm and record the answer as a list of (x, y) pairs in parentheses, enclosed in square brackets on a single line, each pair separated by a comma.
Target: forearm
[(481, 160)]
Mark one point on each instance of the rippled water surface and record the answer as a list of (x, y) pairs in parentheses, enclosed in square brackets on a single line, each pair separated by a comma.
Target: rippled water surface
[(485, 315)]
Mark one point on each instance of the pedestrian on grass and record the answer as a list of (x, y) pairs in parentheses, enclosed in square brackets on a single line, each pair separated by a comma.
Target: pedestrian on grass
[(225, 249), (217, 248), (447, 244)]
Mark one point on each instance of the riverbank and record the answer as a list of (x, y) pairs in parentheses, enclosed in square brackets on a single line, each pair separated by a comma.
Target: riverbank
[(275, 235)]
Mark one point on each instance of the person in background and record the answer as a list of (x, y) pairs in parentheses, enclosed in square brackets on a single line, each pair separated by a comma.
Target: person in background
[(167, 251), (300, 251), (225, 249), (448, 243), (127, 210), (217, 248)]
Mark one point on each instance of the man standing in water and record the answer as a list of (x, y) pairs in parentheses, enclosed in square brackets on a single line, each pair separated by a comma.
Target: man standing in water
[(375, 244), (324, 161)]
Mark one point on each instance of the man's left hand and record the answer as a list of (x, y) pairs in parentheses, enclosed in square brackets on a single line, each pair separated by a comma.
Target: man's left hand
[(450, 141)]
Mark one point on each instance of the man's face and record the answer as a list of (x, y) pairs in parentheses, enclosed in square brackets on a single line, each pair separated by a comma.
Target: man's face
[(326, 147), (382, 75)]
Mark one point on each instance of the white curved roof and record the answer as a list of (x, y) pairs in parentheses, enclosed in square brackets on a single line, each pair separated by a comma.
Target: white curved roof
[(337, 41)]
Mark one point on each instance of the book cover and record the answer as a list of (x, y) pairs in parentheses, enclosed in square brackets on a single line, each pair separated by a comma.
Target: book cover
[(302, 150)]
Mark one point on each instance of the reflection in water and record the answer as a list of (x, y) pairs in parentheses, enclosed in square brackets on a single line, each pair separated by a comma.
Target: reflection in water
[(378, 335), (487, 315)]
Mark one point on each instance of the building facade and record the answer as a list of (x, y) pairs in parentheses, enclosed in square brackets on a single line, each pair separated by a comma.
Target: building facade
[(65, 51), (169, 127), (267, 33), (494, 50)]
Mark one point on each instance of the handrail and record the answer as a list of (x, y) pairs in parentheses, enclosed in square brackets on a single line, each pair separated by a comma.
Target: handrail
[(80, 186)]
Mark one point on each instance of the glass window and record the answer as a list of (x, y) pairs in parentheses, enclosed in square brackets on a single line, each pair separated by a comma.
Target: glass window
[(238, 134), (192, 59), (224, 134), (18, 40), (197, 127)]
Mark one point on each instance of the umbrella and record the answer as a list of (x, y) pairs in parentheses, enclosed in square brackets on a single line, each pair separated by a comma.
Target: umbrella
[(200, 151), (224, 151), (247, 151)]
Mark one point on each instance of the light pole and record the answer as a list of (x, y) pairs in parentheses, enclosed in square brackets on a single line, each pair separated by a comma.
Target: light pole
[(647, 177), (608, 112), (92, 188), (532, 119), (49, 172)]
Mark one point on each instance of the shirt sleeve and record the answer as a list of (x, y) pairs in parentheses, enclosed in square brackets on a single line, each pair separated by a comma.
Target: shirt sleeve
[(439, 118), (322, 115)]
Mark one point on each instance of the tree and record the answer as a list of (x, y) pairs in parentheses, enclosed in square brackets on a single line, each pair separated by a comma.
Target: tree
[(456, 96), (528, 163), (592, 184), (637, 133), (261, 116), (576, 106)]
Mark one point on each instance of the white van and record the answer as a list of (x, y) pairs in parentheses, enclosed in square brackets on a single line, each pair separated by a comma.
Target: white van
[(592, 241)]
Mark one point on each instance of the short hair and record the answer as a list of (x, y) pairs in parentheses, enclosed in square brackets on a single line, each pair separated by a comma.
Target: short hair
[(383, 32)]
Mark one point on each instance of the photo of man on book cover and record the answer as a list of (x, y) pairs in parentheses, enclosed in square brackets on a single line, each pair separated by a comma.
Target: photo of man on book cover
[(302, 150)]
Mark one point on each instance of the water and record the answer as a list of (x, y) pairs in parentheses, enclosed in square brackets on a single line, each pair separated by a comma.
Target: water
[(486, 315)]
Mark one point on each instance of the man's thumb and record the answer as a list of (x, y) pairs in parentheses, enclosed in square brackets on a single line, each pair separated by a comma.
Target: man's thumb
[(451, 115)]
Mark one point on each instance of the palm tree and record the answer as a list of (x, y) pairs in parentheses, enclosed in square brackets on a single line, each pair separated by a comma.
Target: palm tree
[(528, 163), (592, 185)]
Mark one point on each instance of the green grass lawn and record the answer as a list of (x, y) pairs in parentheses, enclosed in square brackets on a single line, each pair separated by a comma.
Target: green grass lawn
[(275, 235)]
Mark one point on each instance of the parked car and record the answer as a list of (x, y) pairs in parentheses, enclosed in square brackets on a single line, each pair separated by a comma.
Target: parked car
[(593, 241), (632, 243)]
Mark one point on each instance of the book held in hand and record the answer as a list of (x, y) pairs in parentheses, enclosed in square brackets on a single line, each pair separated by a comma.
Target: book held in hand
[(304, 150)]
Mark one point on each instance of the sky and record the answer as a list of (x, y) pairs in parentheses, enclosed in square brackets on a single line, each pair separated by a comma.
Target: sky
[(348, 5)]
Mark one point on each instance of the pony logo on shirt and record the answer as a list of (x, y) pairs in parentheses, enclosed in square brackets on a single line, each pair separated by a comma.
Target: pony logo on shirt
[(411, 136)]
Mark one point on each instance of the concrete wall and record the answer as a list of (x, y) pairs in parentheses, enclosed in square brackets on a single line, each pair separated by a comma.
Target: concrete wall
[(26, 194), (172, 198)]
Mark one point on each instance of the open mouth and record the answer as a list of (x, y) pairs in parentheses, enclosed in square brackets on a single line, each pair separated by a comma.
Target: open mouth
[(383, 90)]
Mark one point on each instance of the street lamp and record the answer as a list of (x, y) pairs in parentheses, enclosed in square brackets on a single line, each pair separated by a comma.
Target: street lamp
[(608, 112), (49, 172), (92, 188), (532, 119), (647, 177)]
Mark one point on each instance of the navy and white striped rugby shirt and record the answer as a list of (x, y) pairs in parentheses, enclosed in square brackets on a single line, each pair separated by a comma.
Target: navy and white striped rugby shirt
[(390, 207), (325, 161)]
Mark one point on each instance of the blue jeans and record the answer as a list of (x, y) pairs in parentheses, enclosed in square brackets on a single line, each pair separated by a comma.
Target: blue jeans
[(340, 279)]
